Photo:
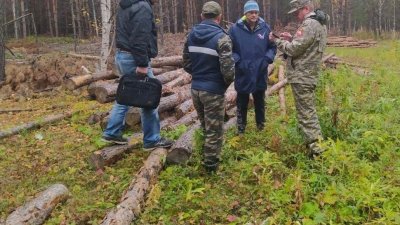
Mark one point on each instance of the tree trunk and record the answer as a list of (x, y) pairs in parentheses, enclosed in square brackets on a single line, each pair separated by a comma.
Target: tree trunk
[(184, 108), (91, 89), (169, 76), (96, 26), (175, 15), (50, 18), (2, 45), (106, 30), (35, 124), (79, 81), (167, 61), (132, 117), (55, 13), (282, 99), (132, 200), (161, 26), (182, 80), (79, 18), (14, 12), (73, 18), (182, 149), (23, 19), (106, 92), (38, 209)]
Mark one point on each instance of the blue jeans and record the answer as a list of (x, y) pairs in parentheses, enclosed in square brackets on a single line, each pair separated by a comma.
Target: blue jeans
[(149, 117)]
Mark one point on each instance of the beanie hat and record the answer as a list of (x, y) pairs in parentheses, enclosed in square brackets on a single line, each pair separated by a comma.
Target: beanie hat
[(251, 5)]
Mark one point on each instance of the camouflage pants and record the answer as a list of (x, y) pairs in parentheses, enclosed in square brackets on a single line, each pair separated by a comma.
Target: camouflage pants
[(304, 97), (210, 111)]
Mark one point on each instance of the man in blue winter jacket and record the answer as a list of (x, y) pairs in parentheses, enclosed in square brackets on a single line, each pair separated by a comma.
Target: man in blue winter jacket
[(207, 56), (252, 52)]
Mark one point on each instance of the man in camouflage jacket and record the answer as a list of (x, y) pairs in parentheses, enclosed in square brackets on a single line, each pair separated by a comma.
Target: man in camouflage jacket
[(207, 56), (304, 54)]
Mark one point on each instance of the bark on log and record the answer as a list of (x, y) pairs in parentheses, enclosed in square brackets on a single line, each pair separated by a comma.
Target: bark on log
[(167, 61), (164, 69), (91, 89), (130, 206), (132, 117), (271, 68), (231, 123), (35, 124), (109, 155), (326, 58), (15, 110), (230, 97), (172, 101), (182, 80), (106, 92), (276, 87), (185, 120), (38, 209), (84, 56), (169, 76), (79, 81), (167, 122), (184, 108), (182, 149), (282, 99)]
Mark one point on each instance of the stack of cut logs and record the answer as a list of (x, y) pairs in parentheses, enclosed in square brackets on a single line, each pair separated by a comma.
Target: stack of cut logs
[(344, 41)]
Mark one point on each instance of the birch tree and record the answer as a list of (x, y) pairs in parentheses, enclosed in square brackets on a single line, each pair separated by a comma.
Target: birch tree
[(2, 43), (14, 11), (105, 6)]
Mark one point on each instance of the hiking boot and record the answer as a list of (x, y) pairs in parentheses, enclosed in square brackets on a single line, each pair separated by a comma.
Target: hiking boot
[(162, 143), (260, 127), (115, 140), (314, 150)]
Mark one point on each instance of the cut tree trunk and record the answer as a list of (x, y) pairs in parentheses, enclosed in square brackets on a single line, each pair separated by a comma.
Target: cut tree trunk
[(270, 71), (133, 199), (182, 80), (167, 61), (164, 69), (230, 97), (182, 149), (169, 76), (184, 108), (132, 117), (93, 86), (109, 155), (38, 209), (93, 57), (167, 122), (79, 81), (185, 120), (106, 92), (36, 124), (276, 87), (282, 99)]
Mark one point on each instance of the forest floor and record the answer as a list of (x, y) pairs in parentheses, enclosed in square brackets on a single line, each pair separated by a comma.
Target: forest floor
[(265, 177)]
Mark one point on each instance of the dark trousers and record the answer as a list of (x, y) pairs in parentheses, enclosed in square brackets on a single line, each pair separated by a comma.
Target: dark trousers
[(242, 103)]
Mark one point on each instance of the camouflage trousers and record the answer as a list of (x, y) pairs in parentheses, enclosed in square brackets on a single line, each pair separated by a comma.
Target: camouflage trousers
[(304, 98), (210, 111)]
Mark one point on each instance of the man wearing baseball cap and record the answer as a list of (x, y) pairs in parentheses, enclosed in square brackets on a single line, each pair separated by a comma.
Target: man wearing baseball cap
[(304, 52), (207, 56)]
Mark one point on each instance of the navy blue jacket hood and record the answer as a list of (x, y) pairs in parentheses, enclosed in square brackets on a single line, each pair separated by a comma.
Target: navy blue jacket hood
[(203, 34)]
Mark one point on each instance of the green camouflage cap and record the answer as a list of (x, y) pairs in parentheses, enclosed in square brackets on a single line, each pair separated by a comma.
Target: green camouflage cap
[(211, 7), (297, 4)]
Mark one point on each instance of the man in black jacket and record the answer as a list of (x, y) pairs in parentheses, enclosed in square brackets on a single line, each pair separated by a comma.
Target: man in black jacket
[(136, 40)]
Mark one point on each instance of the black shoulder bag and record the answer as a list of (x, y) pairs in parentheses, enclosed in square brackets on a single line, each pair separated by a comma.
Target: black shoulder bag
[(139, 92)]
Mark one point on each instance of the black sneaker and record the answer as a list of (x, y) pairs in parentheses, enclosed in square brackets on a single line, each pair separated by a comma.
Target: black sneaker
[(162, 143), (115, 140)]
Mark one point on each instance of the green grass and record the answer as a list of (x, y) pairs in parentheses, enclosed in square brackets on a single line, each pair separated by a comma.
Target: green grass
[(265, 177)]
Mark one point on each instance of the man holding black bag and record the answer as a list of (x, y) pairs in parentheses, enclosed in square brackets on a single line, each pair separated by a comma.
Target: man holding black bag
[(136, 40)]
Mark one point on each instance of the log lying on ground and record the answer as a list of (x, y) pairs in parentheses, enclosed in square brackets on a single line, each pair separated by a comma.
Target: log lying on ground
[(276, 87), (169, 76), (170, 102), (132, 117), (282, 99), (343, 41), (167, 61), (271, 68), (182, 80), (111, 154), (79, 81), (184, 108), (132, 200), (84, 56), (327, 57), (36, 124), (185, 120), (167, 122), (16, 110), (164, 69), (230, 96), (106, 92), (91, 89), (182, 149), (38, 209)]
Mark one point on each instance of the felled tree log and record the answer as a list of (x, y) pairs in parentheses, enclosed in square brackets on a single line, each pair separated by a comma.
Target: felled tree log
[(183, 109), (282, 99), (276, 87), (109, 155), (84, 56), (230, 96), (91, 89), (106, 92), (327, 57), (182, 80), (170, 102), (164, 69), (79, 81), (36, 124), (182, 149), (271, 68), (167, 61), (132, 116), (167, 122), (132, 200), (38, 209), (169, 76), (185, 120)]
